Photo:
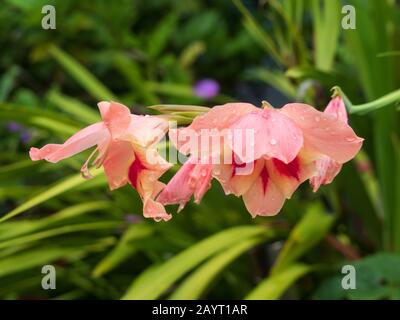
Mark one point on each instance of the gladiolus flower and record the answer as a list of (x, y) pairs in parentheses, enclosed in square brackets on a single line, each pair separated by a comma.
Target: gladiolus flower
[(195, 176), (125, 147), (192, 179), (326, 167), (288, 147)]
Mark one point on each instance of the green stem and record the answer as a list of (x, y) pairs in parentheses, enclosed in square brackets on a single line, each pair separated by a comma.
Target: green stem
[(384, 101)]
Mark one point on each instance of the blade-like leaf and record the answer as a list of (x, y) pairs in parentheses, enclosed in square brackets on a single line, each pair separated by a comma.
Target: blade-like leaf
[(76, 108), (17, 228), (274, 286), (123, 250), (153, 282), (50, 192), (195, 285), (307, 233), (82, 75)]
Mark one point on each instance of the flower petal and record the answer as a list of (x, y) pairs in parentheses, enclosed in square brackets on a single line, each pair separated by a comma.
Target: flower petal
[(275, 136), (324, 133), (84, 139), (221, 117), (217, 119), (148, 166), (115, 116), (288, 177), (263, 198), (337, 108), (146, 130), (143, 175), (116, 165), (192, 179), (327, 170), (155, 210), (237, 179)]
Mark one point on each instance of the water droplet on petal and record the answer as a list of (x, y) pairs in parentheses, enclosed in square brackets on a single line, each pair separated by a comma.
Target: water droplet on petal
[(317, 119), (273, 142)]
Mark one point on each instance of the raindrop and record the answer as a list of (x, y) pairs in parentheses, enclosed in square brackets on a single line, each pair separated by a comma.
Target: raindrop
[(317, 119), (273, 142)]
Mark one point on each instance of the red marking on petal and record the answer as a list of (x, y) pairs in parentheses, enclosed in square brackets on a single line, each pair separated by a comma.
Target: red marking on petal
[(134, 170), (290, 170), (264, 178), (236, 165)]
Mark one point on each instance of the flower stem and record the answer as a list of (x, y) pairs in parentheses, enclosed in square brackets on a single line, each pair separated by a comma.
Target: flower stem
[(379, 103)]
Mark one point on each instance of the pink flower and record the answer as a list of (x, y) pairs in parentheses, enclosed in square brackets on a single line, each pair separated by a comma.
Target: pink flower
[(125, 147), (326, 167), (288, 147), (192, 179)]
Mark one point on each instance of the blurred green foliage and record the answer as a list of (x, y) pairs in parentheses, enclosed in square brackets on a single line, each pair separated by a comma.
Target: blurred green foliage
[(150, 52)]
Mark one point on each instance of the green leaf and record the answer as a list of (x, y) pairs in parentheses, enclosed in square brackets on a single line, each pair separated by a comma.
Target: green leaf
[(50, 192), (17, 228), (124, 249), (377, 277), (59, 231), (276, 80), (40, 256), (82, 75), (191, 53), (158, 40), (274, 286), (195, 285), (40, 118), (326, 30), (33, 258), (129, 68), (154, 281), (74, 107), (258, 33), (308, 232)]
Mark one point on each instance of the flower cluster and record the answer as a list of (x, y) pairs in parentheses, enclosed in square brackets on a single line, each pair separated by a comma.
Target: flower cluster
[(262, 155)]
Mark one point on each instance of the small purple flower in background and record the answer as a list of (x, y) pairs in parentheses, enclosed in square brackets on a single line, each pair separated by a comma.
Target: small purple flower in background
[(132, 218), (13, 127), (25, 136), (206, 88)]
